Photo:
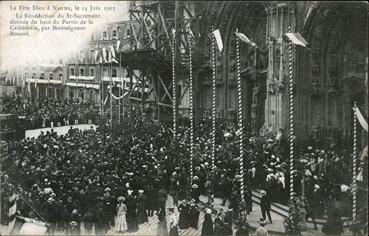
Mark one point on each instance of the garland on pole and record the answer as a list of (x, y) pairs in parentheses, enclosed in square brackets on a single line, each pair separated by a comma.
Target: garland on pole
[(174, 84), (111, 100), (290, 68), (240, 117), (354, 184), (213, 109), (191, 113)]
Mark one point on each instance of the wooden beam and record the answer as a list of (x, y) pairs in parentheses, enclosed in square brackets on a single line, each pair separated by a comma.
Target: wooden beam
[(163, 22)]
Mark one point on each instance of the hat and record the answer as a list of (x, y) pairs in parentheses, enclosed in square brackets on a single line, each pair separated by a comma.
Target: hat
[(263, 192), (195, 186), (121, 199), (50, 199), (262, 221), (73, 223), (130, 192), (107, 189), (316, 186), (208, 210), (140, 191), (195, 177)]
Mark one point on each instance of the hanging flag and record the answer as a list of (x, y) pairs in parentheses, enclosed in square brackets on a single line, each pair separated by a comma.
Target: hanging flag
[(297, 39), (245, 39), (218, 39), (360, 118), (97, 55), (104, 55), (112, 51), (118, 45)]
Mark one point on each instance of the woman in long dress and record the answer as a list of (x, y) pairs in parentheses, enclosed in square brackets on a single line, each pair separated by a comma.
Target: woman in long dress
[(120, 220)]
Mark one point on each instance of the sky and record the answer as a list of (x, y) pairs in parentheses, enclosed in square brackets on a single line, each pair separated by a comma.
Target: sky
[(18, 50)]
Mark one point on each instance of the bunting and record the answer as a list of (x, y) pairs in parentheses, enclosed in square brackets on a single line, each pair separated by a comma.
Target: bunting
[(218, 39), (297, 39), (245, 39)]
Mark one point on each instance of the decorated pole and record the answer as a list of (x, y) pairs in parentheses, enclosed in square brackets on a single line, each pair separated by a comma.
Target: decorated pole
[(110, 96), (290, 68), (102, 92), (213, 108), (191, 113), (174, 100), (240, 117), (354, 184), (121, 83)]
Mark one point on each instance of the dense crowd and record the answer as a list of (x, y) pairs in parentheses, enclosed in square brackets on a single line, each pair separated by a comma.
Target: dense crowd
[(50, 112), (82, 176)]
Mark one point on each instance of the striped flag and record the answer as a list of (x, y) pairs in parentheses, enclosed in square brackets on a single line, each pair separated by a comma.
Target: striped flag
[(297, 39), (218, 39), (12, 213), (245, 39), (360, 118)]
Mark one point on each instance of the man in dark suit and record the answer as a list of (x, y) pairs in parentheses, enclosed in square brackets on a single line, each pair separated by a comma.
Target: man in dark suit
[(265, 205)]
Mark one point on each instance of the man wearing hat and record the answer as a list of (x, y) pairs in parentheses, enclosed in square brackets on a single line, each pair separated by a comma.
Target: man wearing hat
[(261, 231), (265, 205), (195, 193)]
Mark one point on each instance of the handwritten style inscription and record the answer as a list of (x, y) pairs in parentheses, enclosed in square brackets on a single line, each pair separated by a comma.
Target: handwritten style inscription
[(28, 19)]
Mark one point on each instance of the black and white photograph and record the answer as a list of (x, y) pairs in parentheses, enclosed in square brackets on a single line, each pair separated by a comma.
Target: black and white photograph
[(184, 118)]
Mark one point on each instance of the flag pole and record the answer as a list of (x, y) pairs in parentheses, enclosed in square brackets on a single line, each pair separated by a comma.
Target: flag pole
[(240, 118), (174, 104), (354, 185), (191, 113), (290, 67), (213, 52), (110, 95)]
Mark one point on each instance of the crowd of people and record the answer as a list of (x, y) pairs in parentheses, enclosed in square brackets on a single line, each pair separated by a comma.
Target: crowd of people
[(117, 177), (50, 112)]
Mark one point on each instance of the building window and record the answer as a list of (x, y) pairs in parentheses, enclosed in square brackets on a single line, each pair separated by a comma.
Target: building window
[(81, 54), (26, 75), (42, 76), (114, 73), (72, 71), (82, 71), (51, 76), (92, 71), (60, 76), (82, 94), (33, 75), (128, 33), (105, 72), (92, 54), (104, 35), (114, 34), (71, 94)]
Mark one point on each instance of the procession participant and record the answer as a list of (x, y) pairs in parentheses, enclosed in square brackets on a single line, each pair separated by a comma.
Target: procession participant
[(219, 224), (120, 220), (207, 225), (132, 223), (265, 205), (228, 221), (261, 231), (183, 221), (243, 226), (141, 207), (75, 223), (193, 215), (162, 225), (173, 229), (88, 220)]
